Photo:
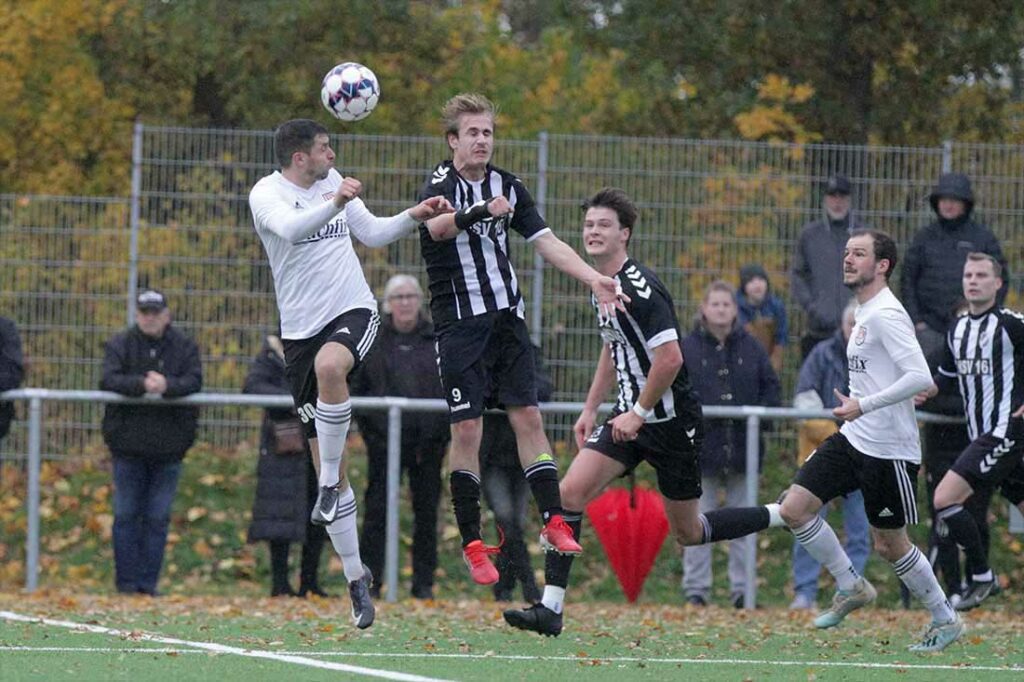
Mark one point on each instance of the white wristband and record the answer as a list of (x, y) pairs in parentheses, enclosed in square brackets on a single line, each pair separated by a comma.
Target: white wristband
[(639, 411)]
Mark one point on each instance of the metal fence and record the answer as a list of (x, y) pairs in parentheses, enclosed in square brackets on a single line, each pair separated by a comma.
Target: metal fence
[(37, 398), (70, 265)]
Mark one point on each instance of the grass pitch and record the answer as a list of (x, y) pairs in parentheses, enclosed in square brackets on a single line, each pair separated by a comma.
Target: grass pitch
[(203, 638)]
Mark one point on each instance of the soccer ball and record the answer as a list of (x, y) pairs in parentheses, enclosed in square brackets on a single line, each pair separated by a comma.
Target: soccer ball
[(350, 91)]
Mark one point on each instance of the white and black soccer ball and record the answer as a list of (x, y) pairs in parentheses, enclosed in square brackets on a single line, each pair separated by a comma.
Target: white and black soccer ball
[(350, 91)]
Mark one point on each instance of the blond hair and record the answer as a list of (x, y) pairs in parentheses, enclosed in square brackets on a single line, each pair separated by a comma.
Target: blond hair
[(465, 103)]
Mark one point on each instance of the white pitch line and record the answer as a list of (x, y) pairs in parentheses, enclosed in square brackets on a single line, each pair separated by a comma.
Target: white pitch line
[(966, 667), (221, 648)]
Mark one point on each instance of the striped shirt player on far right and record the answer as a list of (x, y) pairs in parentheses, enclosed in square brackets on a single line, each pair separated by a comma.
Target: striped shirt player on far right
[(985, 357), (877, 450)]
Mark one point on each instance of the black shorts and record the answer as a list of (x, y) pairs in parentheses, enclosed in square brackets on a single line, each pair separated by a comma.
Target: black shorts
[(837, 468), (486, 361), (355, 329), (995, 463), (672, 447)]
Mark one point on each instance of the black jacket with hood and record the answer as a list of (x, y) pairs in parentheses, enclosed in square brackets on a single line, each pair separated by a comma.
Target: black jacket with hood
[(932, 279)]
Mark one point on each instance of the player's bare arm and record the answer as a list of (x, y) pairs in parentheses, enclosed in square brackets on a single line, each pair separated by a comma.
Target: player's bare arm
[(348, 190), (604, 379), (446, 226), (606, 290), (668, 359)]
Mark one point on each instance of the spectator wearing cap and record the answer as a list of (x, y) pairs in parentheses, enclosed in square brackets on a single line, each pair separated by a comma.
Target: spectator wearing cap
[(934, 263), (762, 313), (147, 442), (816, 273)]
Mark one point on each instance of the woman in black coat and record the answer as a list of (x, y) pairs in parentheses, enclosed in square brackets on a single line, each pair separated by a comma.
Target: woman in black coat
[(286, 485)]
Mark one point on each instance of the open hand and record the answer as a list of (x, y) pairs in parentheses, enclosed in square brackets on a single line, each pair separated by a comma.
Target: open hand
[(609, 297), (849, 408), (431, 208)]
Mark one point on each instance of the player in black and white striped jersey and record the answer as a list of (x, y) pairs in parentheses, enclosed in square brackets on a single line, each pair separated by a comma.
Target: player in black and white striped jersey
[(985, 357), (484, 350), (657, 417)]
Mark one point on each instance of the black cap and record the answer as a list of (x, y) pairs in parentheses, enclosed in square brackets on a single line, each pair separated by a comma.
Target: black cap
[(151, 299), (837, 184)]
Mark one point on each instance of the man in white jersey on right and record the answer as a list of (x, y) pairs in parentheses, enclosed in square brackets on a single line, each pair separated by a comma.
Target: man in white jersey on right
[(877, 450), (303, 215)]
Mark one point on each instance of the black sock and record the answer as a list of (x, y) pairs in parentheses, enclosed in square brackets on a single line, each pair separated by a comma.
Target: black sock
[(465, 487), (733, 522), (557, 566), (964, 532), (542, 476)]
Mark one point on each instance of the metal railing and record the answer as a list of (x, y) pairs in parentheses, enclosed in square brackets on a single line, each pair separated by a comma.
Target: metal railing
[(395, 408)]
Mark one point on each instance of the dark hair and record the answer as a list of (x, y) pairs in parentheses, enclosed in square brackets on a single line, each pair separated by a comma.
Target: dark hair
[(885, 247), (618, 201), (293, 136), (997, 267)]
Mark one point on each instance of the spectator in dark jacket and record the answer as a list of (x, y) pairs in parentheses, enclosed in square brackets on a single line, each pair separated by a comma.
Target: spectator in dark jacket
[(403, 362), (12, 369), (816, 275), (286, 484), (508, 494), (934, 264), (727, 366), (824, 371), (147, 443), (762, 313)]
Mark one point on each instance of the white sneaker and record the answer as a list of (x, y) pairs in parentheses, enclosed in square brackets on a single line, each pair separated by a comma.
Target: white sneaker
[(845, 603), (940, 635)]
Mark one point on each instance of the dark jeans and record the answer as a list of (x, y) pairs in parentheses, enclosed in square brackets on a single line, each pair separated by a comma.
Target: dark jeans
[(422, 463), (143, 493)]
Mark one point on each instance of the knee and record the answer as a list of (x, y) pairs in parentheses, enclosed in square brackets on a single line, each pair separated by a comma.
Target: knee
[(467, 433), (890, 547), (573, 496), (794, 516), (330, 369), (526, 418)]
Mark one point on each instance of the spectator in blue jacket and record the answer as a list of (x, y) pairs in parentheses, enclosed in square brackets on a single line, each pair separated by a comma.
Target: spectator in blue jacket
[(727, 366), (762, 313), (824, 371)]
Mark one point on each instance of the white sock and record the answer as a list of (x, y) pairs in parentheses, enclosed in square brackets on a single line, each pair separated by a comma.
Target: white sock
[(917, 574), (985, 577), (345, 536), (553, 598), (331, 429), (820, 541)]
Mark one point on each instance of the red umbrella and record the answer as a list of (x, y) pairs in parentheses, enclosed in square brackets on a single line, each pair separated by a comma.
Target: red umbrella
[(631, 526)]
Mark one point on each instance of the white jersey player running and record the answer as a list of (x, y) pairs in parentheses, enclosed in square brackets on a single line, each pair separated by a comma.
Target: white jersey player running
[(877, 450), (304, 215)]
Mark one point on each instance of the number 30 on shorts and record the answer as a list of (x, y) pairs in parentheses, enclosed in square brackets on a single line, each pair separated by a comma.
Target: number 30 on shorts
[(306, 413)]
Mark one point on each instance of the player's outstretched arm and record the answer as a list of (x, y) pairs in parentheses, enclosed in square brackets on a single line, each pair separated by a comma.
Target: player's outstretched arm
[(604, 379), (448, 225), (559, 254), (374, 231)]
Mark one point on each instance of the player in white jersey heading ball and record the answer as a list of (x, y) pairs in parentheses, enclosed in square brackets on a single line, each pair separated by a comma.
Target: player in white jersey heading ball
[(877, 450), (304, 215)]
